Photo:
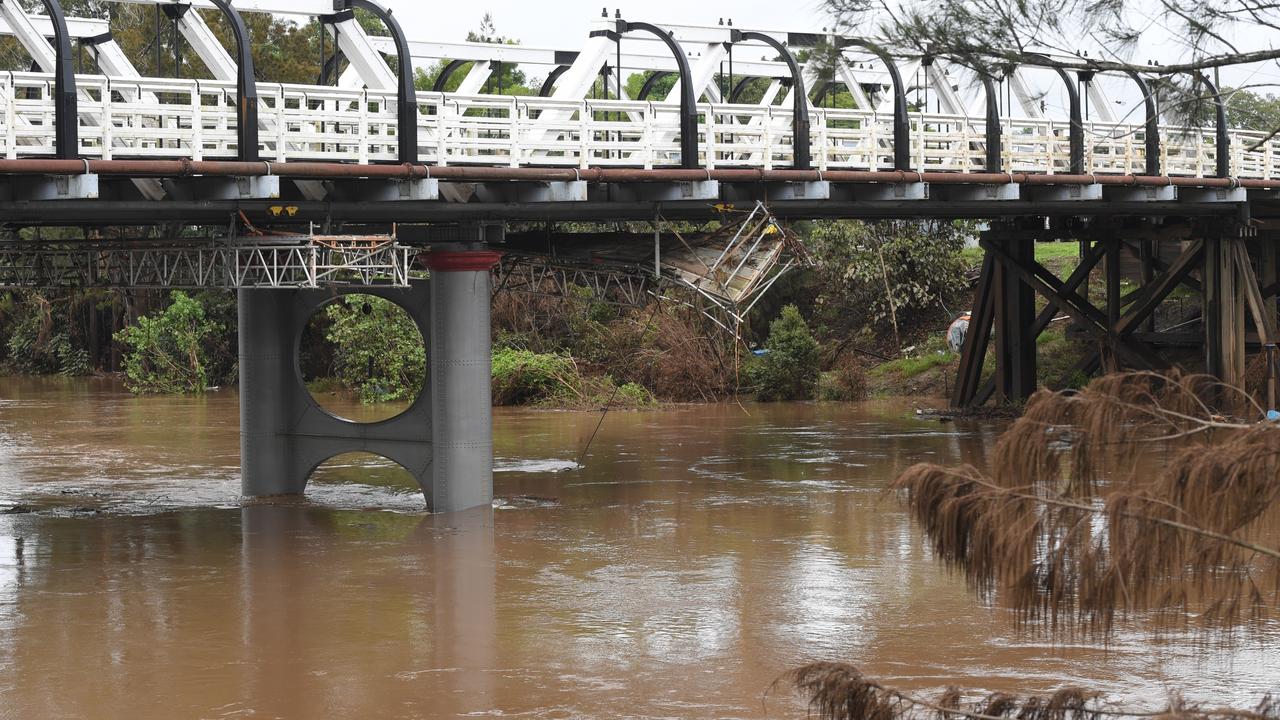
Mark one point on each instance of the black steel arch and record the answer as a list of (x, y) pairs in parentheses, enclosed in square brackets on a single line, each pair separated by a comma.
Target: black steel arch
[(1076, 129), (991, 95), (1222, 138), (688, 103), (650, 82), (246, 85), (66, 111), (552, 77), (739, 88), (1152, 121), (406, 93), (901, 122), (800, 132), (447, 72)]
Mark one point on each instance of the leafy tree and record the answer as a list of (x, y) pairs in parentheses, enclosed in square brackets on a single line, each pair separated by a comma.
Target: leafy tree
[(1250, 111), (507, 77), (168, 352), (882, 275), (41, 338), (789, 368), (377, 348)]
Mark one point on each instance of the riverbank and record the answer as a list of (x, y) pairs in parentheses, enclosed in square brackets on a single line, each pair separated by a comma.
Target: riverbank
[(851, 336)]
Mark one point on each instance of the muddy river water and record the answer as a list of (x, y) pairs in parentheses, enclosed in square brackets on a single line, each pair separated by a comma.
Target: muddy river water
[(698, 554)]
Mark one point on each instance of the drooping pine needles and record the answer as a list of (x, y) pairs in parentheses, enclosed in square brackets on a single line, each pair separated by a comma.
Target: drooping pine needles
[(1128, 497)]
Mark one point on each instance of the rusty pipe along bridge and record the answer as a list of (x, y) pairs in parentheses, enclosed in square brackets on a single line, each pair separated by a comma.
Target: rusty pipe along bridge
[(364, 150)]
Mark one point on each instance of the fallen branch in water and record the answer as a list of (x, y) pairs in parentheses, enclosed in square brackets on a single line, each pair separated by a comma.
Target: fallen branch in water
[(841, 691)]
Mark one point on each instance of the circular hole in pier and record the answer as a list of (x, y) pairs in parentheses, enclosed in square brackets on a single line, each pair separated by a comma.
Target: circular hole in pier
[(362, 358)]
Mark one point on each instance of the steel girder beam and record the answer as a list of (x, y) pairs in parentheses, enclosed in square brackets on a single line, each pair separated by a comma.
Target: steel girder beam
[(81, 28), (802, 158), (205, 263), (901, 122)]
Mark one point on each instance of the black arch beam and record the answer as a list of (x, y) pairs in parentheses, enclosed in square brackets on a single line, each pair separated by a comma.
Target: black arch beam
[(1076, 131), (1223, 145), (246, 86), (1152, 130), (803, 159), (688, 103), (447, 72), (993, 162), (66, 111), (550, 82), (406, 93), (901, 123), (739, 88), (651, 82)]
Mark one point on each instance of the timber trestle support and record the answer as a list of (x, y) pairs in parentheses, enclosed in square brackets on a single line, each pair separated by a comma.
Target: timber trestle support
[(1229, 267)]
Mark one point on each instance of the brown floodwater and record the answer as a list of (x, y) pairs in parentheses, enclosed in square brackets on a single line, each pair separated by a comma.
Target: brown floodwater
[(698, 554)]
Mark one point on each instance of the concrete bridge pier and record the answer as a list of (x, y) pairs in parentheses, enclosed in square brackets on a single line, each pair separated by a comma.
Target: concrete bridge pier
[(444, 439), (459, 377)]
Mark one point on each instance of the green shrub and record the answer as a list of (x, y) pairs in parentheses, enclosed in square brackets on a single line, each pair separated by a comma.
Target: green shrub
[(789, 370), (846, 382), (377, 349), (523, 377), (167, 352), (633, 395)]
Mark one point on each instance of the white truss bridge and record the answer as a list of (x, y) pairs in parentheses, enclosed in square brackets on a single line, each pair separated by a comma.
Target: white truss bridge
[(122, 115)]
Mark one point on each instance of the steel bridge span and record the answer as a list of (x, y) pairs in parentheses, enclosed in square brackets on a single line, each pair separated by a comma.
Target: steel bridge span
[(341, 162)]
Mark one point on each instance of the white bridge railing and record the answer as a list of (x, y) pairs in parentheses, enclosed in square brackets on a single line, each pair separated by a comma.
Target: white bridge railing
[(161, 118)]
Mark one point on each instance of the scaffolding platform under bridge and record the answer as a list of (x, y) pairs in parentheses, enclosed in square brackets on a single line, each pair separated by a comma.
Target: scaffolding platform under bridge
[(299, 262)]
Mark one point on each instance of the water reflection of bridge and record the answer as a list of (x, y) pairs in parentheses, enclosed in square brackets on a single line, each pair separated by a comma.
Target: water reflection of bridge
[(364, 150)]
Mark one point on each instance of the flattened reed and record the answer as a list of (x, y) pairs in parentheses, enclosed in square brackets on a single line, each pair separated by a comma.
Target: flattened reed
[(1129, 496)]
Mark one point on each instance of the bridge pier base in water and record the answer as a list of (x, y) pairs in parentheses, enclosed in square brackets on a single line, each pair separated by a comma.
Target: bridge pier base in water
[(444, 439)]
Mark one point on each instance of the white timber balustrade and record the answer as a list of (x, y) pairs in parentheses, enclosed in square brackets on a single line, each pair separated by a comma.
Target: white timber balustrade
[(123, 115)]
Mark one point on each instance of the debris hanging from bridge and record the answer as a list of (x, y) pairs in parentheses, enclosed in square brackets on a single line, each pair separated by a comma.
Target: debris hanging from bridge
[(728, 267)]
